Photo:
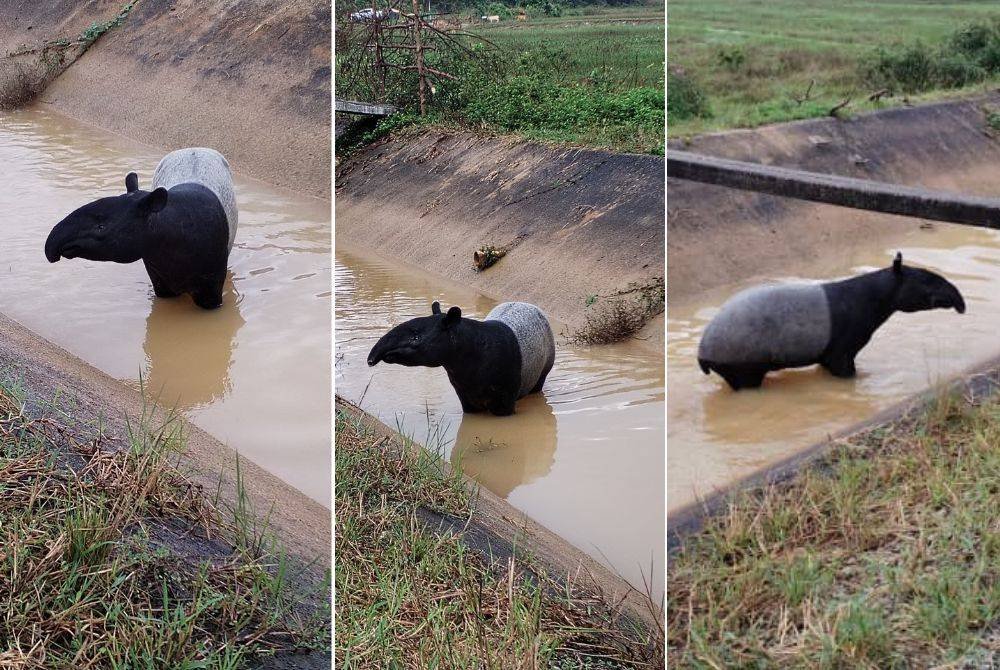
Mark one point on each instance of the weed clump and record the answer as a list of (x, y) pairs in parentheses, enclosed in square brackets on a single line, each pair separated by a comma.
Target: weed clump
[(97, 567), (19, 84), (685, 99), (621, 316), (969, 56), (415, 590), (885, 555)]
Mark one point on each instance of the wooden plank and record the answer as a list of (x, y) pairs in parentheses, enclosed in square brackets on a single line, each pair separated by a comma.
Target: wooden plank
[(836, 190), (363, 108)]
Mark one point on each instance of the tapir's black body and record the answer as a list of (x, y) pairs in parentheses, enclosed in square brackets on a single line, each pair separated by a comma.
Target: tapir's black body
[(482, 358), (857, 308), (181, 235)]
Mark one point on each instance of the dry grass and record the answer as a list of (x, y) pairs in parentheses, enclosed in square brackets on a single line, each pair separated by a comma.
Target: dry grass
[(888, 556), (412, 596), (621, 315), (19, 84), (111, 558)]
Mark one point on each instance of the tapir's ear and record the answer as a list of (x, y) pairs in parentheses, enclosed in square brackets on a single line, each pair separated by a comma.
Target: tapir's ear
[(155, 201), (453, 316), (435, 307), (131, 182), (897, 264)]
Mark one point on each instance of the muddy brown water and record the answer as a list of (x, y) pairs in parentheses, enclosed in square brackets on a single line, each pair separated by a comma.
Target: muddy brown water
[(717, 437), (254, 373), (584, 458)]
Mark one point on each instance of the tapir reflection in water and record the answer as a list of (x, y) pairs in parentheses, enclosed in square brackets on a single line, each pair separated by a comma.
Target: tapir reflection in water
[(490, 363), (182, 230), (773, 327)]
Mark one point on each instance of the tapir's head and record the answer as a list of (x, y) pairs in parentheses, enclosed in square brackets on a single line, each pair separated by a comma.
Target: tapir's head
[(426, 340), (918, 290), (108, 229)]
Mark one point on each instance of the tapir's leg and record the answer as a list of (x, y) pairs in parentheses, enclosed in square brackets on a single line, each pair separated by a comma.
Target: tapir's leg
[(541, 380), (209, 294), (841, 365), (160, 288), (742, 376)]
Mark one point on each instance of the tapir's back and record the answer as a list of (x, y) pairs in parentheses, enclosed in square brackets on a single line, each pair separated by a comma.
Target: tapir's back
[(781, 325), (206, 167), (534, 338)]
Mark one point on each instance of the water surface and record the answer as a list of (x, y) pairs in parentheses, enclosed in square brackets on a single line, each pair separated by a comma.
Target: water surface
[(254, 373)]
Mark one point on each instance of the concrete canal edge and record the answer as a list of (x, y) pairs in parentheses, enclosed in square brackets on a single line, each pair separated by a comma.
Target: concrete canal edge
[(575, 222), (212, 73), (717, 236)]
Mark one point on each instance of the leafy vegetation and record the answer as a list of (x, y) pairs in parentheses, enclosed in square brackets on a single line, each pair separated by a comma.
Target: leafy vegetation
[(886, 555), (548, 79), (761, 63)]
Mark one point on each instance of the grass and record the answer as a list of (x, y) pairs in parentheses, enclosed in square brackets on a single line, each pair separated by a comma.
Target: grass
[(761, 62), (548, 79), (413, 595), (885, 556), (112, 558)]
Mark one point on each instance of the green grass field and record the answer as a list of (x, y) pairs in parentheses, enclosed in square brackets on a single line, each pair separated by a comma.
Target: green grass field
[(622, 43), (755, 60)]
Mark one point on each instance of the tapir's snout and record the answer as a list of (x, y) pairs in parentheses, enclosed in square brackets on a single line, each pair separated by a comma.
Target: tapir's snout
[(955, 299), (53, 244)]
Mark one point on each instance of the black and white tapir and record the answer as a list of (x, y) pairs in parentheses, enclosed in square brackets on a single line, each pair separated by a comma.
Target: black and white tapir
[(490, 363), (773, 327), (183, 230)]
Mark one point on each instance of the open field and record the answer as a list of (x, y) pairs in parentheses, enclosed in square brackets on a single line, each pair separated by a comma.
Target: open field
[(884, 555), (760, 62), (635, 35)]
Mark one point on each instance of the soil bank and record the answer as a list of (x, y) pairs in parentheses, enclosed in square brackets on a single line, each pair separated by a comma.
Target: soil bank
[(718, 236), (250, 78), (577, 222)]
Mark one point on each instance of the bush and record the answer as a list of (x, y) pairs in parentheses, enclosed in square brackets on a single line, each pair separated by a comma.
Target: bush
[(685, 99), (970, 55)]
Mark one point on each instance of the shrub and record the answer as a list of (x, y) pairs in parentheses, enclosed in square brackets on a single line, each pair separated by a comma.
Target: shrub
[(685, 99)]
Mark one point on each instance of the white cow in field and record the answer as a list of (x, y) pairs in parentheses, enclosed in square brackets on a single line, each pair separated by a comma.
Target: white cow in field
[(492, 19)]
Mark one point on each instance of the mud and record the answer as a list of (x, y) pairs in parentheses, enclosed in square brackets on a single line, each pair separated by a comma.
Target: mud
[(253, 373), (583, 459), (188, 73), (578, 222)]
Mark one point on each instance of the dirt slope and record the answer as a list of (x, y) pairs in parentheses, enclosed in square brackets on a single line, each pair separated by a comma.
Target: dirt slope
[(250, 78), (717, 236), (579, 222)]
